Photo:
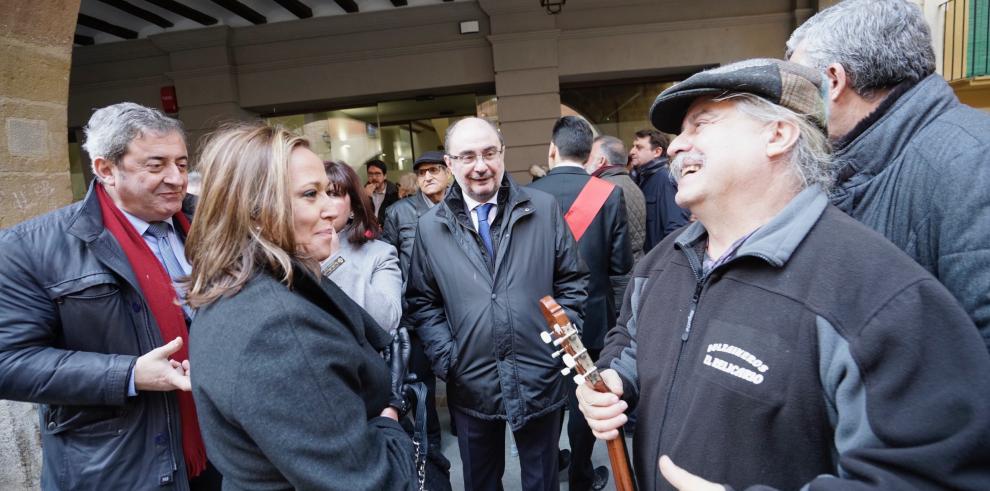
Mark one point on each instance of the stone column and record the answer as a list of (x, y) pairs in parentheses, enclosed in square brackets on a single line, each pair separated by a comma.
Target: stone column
[(35, 54), (528, 90), (527, 80)]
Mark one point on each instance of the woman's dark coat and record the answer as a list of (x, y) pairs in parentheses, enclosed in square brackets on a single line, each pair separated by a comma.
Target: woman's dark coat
[(289, 385)]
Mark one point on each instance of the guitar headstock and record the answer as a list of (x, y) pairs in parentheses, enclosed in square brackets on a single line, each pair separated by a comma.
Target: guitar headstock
[(560, 332)]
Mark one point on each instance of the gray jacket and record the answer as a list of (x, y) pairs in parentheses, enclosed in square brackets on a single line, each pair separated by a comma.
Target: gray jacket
[(370, 275), (480, 320), (919, 175), (73, 321), (635, 206)]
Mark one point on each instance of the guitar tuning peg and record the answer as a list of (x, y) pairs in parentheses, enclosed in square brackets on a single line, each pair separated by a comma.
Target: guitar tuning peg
[(569, 361), (565, 371), (545, 336), (579, 379), (557, 353)]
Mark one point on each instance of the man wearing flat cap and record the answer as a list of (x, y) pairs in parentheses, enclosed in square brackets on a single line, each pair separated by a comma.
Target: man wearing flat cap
[(776, 342), (399, 229)]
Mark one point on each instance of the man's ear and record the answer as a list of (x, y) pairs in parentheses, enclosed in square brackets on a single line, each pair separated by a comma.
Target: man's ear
[(103, 169), (838, 81), (781, 138), (551, 154)]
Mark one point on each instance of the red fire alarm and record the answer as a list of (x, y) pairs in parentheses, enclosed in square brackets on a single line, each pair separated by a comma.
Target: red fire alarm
[(169, 103)]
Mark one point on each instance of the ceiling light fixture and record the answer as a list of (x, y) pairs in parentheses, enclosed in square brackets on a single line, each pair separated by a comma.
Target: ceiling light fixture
[(553, 7)]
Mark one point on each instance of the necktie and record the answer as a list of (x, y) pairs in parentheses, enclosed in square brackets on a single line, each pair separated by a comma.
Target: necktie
[(160, 230), (484, 229)]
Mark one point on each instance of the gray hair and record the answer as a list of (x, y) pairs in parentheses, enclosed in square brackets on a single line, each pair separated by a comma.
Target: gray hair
[(879, 43), (451, 128), (112, 128), (811, 159), (612, 149)]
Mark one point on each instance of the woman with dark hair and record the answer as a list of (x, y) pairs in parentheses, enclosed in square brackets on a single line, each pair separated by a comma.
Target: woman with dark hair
[(366, 269), (291, 389)]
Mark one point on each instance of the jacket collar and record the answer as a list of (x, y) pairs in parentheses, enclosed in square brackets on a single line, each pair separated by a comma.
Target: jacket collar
[(892, 131), (567, 170), (776, 240), (87, 223), (611, 170), (328, 296), (648, 169), (510, 195)]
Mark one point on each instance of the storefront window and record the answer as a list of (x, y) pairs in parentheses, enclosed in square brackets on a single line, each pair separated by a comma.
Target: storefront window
[(617, 109), (394, 131)]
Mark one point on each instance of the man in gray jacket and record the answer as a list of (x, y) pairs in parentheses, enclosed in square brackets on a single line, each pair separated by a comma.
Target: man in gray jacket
[(913, 161), (608, 161), (483, 258)]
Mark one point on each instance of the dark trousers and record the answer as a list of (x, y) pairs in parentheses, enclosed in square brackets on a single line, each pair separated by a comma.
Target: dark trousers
[(581, 472), (482, 446)]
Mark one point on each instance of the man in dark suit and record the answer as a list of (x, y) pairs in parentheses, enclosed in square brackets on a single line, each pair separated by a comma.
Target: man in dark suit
[(381, 191), (604, 246)]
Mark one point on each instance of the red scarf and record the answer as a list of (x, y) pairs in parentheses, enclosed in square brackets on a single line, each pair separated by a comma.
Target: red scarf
[(159, 294)]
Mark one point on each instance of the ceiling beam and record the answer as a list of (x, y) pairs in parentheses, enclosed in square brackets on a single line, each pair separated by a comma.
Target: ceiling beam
[(83, 40), (349, 6), (104, 26), (243, 11), (400, 3), (139, 12), (181, 10), (296, 7)]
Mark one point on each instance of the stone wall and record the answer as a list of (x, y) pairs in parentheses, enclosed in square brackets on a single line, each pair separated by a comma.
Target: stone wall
[(35, 56)]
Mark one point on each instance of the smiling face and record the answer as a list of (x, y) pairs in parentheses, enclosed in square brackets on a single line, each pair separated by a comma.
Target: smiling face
[(150, 180), (312, 207), (481, 178), (719, 157)]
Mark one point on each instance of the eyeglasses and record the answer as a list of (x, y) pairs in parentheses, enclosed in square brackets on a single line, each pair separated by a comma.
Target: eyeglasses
[(433, 171), (488, 155)]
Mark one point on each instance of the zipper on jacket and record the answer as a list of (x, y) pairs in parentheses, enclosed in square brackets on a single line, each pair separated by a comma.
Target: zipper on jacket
[(695, 298), (694, 306)]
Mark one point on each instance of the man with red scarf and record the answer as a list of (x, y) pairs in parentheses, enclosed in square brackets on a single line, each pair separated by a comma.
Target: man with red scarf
[(92, 321)]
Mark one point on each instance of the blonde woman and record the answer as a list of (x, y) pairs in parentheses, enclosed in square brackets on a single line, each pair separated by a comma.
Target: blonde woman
[(290, 387)]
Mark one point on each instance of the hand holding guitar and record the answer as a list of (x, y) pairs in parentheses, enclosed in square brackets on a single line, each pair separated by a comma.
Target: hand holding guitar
[(601, 387), (605, 411)]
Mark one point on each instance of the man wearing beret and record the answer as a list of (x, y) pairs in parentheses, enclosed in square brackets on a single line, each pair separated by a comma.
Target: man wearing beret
[(782, 343)]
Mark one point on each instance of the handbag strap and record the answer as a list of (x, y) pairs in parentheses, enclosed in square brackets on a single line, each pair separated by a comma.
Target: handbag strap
[(590, 200), (420, 435)]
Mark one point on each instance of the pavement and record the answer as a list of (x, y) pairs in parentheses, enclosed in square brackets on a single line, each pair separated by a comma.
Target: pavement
[(510, 480)]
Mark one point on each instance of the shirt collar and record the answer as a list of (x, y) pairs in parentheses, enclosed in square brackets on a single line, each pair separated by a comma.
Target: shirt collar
[(140, 225), (471, 204)]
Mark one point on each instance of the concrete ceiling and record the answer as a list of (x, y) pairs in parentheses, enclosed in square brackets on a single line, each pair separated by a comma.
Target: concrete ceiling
[(129, 19)]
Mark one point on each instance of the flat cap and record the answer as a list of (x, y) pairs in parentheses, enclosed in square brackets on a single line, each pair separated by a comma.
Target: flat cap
[(796, 87), (431, 157)]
